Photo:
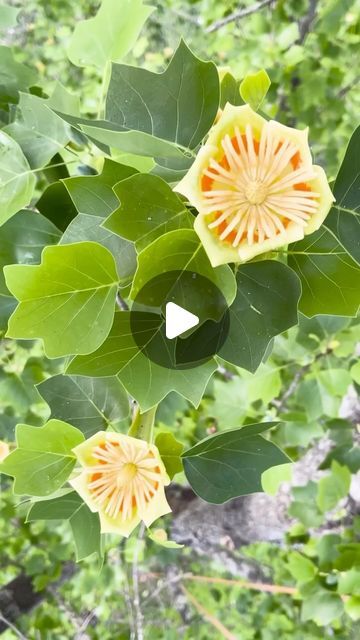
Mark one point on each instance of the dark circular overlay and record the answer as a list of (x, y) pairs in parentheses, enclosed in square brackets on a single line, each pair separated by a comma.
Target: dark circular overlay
[(196, 294)]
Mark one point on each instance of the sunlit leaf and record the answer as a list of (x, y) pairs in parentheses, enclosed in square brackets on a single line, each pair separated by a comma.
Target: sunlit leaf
[(17, 183)]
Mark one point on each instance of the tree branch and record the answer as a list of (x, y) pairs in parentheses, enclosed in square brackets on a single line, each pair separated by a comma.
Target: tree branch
[(306, 23), (237, 15)]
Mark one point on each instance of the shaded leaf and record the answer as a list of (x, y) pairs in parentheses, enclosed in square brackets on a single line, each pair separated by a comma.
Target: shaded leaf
[(265, 305), (90, 404), (344, 217), (85, 525), (120, 355), (230, 464)]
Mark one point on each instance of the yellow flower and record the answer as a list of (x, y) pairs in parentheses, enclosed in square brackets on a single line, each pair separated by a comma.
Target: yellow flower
[(123, 480), (4, 450), (254, 186)]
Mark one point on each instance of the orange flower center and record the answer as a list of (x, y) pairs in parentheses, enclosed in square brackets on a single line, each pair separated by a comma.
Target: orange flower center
[(257, 188), (255, 192)]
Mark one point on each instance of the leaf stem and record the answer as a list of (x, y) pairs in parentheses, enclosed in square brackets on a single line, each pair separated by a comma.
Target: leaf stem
[(143, 424)]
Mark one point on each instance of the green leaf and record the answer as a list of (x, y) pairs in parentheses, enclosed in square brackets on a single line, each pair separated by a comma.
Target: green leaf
[(150, 114), (90, 404), (254, 87), (17, 183), (182, 251), (8, 16), (329, 276), (68, 301), (88, 228), (149, 208), (110, 35), (94, 195), (120, 355), (230, 464), (85, 525), (344, 217), (352, 607), (14, 76), (38, 130), (170, 451), (90, 195), (301, 568), (272, 478), (323, 608), (230, 91), (304, 506), (22, 240), (265, 305), (313, 395), (159, 536), (355, 372), (333, 487), (43, 459), (349, 582)]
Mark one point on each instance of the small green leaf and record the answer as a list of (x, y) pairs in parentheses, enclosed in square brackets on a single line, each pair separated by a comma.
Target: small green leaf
[(17, 183), (272, 478), (68, 301), (170, 451), (230, 464), (355, 372), (330, 278), (43, 459), (323, 608), (85, 525), (301, 568), (333, 487), (110, 35), (159, 536), (90, 404), (254, 88), (148, 209), (230, 91)]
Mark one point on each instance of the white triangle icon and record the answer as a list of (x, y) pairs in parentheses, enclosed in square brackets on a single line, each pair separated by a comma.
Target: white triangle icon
[(178, 320)]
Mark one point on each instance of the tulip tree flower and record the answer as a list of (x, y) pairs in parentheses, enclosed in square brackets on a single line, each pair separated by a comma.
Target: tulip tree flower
[(4, 450), (123, 479), (254, 186)]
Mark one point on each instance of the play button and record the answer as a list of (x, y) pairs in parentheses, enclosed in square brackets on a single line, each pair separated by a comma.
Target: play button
[(178, 320), (164, 328)]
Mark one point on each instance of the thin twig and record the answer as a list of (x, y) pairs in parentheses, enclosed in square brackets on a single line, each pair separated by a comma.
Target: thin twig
[(121, 303), (281, 402), (237, 15), (139, 618), (12, 627), (306, 23), (225, 633), (348, 87)]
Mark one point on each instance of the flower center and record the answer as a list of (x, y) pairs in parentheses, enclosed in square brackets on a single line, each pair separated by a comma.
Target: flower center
[(256, 192), (127, 473)]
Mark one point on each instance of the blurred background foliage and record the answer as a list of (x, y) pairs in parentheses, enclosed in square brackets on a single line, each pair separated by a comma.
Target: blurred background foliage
[(311, 51)]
